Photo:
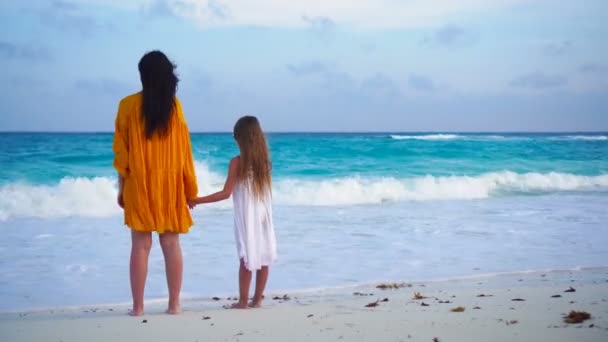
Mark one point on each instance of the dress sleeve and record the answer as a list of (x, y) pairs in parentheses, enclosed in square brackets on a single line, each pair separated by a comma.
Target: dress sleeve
[(190, 184), (121, 144)]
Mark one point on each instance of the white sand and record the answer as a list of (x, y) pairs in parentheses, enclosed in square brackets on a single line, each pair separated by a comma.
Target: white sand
[(339, 315)]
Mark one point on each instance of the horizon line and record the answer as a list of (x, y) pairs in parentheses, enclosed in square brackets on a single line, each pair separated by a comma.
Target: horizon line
[(323, 132)]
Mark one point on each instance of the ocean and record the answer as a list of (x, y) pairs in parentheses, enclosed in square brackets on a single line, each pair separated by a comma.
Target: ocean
[(349, 209)]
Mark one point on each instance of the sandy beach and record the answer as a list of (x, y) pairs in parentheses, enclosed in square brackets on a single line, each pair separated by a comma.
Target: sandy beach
[(512, 307)]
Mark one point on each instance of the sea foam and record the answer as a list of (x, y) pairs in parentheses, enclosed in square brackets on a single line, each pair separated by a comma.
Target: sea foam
[(96, 197), (427, 137)]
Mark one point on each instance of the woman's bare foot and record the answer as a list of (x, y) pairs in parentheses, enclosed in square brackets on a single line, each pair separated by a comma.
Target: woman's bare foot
[(138, 312)]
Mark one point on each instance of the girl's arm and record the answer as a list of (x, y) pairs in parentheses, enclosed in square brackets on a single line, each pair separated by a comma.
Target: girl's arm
[(228, 186)]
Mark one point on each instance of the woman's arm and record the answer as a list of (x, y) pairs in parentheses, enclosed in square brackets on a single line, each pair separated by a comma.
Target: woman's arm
[(120, 147), (228, 185), (121, 186), (190, 183)]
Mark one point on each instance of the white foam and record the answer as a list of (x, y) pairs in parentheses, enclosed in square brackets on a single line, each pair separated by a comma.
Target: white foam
[(427, 137), (585, 137), (356, 190), (96, 197), (91, 197)]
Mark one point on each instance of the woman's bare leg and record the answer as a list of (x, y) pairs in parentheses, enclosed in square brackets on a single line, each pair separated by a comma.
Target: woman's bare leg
[(174, 267), (141, 243), (261, 277)]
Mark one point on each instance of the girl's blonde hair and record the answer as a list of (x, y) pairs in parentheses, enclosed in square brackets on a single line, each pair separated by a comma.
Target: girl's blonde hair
[(255, 158)]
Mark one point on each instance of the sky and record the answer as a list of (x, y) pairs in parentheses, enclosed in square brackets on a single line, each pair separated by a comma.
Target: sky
[(302, 65)]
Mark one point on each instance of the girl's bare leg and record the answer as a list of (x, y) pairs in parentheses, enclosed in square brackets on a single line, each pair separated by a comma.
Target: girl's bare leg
[(141, 243), (261, 277), (244, 282), (174, 267)]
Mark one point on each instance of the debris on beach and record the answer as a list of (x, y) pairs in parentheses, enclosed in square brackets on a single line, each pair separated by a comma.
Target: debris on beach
[(458, 309), (418, 296), (444, 302), (393, 286), (435, 339), (144, 321), (216, 298), (477, 308), (556, 296), (285, 297), (571, 289), (384, 300), (206, 318), (575, 317), (309, 315), (362, 294), (518, 300), (513, 321), (373, 304), (424, 304), (484, 295)]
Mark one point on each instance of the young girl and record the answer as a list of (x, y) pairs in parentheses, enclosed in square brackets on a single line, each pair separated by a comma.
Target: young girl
[(249, 182)]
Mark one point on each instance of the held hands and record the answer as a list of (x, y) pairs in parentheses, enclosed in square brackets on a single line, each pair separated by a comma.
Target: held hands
[(192, 203)]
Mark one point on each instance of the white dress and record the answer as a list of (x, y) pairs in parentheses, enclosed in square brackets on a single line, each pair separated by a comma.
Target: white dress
[(253, 228)]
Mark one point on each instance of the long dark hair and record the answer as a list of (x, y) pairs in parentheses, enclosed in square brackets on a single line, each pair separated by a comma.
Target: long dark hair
[(159, 84)]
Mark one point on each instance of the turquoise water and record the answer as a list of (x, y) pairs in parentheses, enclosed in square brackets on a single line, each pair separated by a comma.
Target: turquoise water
[(47, 158), (349, 209)]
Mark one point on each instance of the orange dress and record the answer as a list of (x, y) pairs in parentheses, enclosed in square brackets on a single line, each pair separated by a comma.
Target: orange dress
[(159, 172)]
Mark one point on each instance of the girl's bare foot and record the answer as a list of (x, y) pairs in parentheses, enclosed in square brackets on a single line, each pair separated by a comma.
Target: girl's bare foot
[(174, 310), (237, 305), (255, 305), (138, 312)]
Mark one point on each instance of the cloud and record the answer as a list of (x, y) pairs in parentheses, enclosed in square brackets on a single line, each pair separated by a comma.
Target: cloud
[(69, 16), (23, 52), (308, 68), (380, 84), (218, 9), (103, 86), (364, 14), (557, 48), (538, 80), (593, 68), (161, 8), (451, 36), (319, 23), (205, 13), (333, 80), (421, 83)]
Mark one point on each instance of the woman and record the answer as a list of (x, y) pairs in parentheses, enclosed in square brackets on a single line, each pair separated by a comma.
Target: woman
[(153, 158)]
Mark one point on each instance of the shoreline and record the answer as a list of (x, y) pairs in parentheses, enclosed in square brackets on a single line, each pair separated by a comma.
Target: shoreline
[(515, 307), (323, 291)]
